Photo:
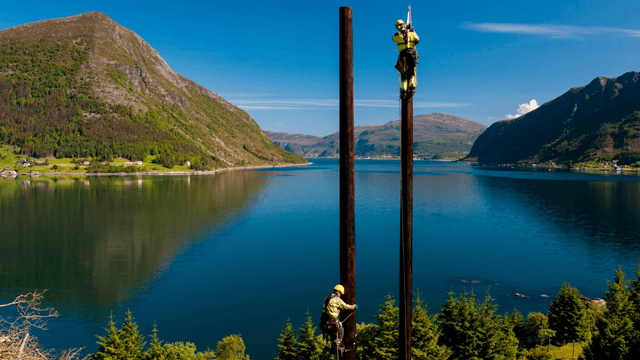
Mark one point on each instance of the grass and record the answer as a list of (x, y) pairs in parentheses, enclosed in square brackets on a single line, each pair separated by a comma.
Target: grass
[(10, 155), (565, 352)]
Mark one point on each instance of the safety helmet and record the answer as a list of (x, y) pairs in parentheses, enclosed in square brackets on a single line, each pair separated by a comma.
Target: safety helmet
[(399, 23), (339, 288)]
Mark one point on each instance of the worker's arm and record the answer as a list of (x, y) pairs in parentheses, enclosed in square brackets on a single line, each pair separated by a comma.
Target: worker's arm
[(397, 37), (415, 38), (344, 306)]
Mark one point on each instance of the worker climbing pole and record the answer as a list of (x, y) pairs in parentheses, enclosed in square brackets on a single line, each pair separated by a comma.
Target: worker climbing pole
[(406, 39), (347, 193)]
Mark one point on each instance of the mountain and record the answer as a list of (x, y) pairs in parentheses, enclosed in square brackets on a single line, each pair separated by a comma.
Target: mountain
[(433, 134), (594, 123), (84, 86)]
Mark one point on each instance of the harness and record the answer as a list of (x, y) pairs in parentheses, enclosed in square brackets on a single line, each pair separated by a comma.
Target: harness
[(330, 325)]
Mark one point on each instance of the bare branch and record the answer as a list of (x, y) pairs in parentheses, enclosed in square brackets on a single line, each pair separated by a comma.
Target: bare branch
[(16, 341)]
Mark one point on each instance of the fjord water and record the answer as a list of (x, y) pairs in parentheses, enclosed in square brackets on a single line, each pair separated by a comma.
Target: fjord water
[(239, 252)]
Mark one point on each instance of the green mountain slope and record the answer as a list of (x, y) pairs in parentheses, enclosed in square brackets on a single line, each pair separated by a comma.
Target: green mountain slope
[(84, 86), (433, 134), (594, 123)]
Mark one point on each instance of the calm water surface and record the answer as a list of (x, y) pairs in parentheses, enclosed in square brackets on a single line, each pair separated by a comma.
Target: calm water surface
[(240, 252)]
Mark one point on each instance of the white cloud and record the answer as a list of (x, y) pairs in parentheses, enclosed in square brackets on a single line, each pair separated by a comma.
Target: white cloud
[(552, 30), (525, 108), (330, 104)]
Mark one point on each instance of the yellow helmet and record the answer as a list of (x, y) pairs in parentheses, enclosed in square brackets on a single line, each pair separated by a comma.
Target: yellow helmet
[(399, 23), (339, 288)]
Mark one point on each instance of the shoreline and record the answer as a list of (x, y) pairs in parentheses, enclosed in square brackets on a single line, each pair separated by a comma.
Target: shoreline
[(579, 169), (153, 173)]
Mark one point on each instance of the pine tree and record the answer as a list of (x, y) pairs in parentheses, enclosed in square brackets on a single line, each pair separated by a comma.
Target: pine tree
[(110, 345), (386, 341), (155, 351), (180, 351), (568, 316), (132, 341), (424, 334), (365, 341), (616, 337), (473, 331), (306, 339), (634, 297), (459, 322), (508, 343), (518, 324), (288, 347)]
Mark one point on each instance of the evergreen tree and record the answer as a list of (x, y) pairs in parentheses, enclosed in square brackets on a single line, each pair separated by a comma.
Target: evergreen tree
[(132, 341), (424, 334), (616, 337), (306, 339), (155, 351), (231, 348), (365, 341), (288, 347), (110, 345), (508, 343), (516, 320), (568, 316), (473, 331), (179, 351), (386, 340)]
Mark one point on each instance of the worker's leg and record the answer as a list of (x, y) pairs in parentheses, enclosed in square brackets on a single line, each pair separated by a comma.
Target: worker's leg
[(411, 73), (403, 85)]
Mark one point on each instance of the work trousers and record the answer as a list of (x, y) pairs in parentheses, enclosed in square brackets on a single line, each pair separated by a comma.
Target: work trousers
[(408, 79)]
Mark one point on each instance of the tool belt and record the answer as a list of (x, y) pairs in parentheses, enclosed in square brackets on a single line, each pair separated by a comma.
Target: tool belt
[(401, 65), (328, 324)]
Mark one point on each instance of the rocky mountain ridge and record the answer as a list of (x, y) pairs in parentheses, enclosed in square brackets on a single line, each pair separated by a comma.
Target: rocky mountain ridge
[(128, 101), (589, 124)]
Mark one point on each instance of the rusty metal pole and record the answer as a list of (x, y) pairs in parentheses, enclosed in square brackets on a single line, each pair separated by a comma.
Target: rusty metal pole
[(406, 228), (347, 196)]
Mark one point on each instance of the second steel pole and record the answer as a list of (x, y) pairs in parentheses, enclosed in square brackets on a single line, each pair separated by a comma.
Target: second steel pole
[(347, 197), (406, 227)]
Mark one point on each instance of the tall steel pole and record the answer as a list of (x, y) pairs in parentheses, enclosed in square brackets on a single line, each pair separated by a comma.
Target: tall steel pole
[(347, 197), (406, 228)]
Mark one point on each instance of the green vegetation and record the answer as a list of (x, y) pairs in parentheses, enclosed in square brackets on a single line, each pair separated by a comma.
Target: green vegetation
[(468, 329), (126, 343), (568, 316), (57, 101), (45, 111), (617, 330), (464, 329), (455, 155)]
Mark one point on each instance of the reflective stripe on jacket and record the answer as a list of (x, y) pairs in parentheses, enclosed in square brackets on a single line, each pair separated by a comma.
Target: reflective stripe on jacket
[(412, 40), (334, 304)]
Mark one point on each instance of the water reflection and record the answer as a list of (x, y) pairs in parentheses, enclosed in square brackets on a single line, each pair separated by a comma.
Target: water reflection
[(97, 241), (594, 213)]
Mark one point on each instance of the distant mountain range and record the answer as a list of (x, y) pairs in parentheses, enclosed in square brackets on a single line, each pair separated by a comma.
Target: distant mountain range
[(593, 123), (435, 135), (84, 86)]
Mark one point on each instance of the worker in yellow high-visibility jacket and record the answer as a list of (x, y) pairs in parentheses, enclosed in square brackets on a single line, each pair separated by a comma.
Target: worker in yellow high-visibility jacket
[(329, 323), (407, 39)]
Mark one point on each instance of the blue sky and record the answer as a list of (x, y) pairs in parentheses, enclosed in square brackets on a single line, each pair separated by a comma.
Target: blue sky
[(278, 60)]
